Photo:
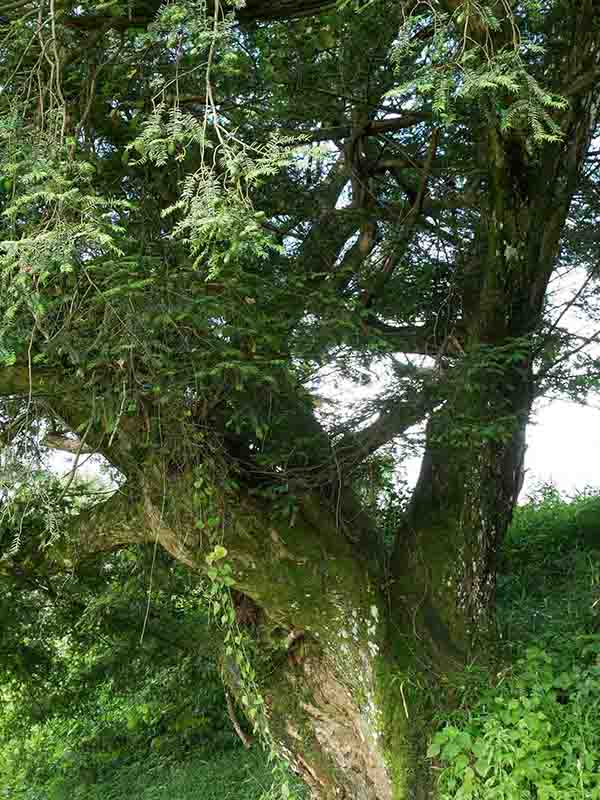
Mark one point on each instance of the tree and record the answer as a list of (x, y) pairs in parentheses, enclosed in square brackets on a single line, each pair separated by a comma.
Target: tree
[(201, 210)]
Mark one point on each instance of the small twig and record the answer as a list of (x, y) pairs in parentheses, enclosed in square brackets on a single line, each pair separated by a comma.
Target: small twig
[(245, 739), (76, 462), (30, 370), (153, 565), (409, 220), (404, 700), (566, 308), (59, 91), (120, 414)]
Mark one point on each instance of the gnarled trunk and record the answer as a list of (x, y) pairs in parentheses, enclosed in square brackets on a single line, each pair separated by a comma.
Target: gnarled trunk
[(335, 654)]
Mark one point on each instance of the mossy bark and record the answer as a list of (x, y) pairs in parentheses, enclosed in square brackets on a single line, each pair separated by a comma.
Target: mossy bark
[(345, 710), (342, 669)]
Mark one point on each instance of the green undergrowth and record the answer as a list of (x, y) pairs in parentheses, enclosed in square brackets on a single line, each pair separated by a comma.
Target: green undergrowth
[(93, 758), (120, 719), (104, 696), (243, 775), (533, 731), (125, 746)]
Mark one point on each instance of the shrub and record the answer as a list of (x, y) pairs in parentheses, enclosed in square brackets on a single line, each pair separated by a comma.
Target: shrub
[(535, 733)]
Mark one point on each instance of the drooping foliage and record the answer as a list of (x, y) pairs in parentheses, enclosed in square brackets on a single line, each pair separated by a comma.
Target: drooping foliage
[(199, 212)]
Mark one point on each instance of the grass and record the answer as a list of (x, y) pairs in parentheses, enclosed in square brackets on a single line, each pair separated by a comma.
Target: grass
[(235, 775)]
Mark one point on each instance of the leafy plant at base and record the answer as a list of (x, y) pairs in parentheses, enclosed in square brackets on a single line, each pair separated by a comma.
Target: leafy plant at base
[(535, 733)]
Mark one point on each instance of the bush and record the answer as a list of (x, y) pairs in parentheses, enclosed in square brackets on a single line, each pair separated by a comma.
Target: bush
[(535, 733), (138, 744), (547, 528), (550, 569)]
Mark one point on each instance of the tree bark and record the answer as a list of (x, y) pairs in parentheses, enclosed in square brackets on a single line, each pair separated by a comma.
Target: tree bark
[(332, 664), (472, 471)]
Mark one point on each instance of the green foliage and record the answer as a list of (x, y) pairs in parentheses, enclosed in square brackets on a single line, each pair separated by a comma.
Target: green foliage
[(237, 645), (458, 70), (34, 511), (549, 573), (236, 773), (135, 257), (161, 735), (110, 677), (548, 528), (535, 735), (385, 495), (172, 250), (535, 732)]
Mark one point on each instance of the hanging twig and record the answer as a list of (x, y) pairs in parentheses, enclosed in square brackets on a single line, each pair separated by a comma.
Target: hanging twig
[(244, 738)]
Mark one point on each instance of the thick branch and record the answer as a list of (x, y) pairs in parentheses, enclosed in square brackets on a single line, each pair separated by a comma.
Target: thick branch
[(583, 83), (73, 405), (115, 523), (66, 444), (422, 340), (391, 423), (375, 127), (18, 381)]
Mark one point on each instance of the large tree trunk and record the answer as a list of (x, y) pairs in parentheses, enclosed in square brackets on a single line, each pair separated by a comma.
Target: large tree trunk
[(332, 654), (472, 471), (336, 659), (445, 560)]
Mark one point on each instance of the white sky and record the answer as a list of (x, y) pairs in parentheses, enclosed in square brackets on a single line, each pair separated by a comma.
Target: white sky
[(563, 438), (563, 446)]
